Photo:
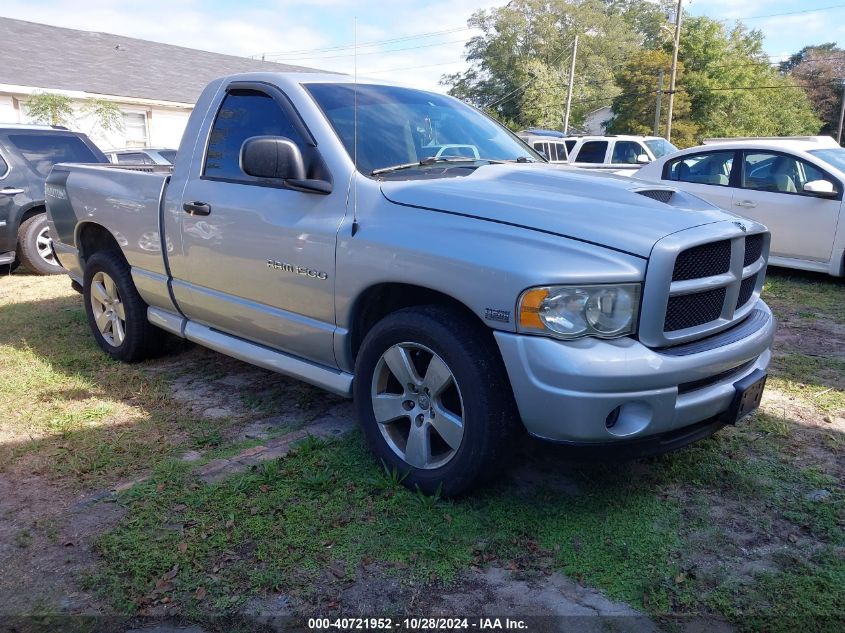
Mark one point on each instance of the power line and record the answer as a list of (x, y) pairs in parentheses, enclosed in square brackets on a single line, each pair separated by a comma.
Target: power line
[(384, 52), (365, 44), (627, 96), (777, 15), (388, 70)]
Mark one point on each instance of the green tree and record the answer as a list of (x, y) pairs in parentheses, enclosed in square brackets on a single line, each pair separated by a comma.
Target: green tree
[(519, 65), (725, 87), (48, 108), (106, 114), (541, 104), (820, 70), (634, 107), (733, 89)]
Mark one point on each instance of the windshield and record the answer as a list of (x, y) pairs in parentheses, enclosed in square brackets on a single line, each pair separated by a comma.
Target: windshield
[(835, 157), (660, 147), (399, 126)]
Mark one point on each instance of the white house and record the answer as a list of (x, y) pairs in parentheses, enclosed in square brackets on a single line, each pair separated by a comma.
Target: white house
[(595, 122), (154, 85)]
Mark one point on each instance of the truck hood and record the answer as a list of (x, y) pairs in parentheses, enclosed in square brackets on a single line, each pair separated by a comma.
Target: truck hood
[(600, 209)]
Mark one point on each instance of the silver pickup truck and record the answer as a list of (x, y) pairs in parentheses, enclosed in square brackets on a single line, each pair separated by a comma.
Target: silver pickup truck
[(399, 247)]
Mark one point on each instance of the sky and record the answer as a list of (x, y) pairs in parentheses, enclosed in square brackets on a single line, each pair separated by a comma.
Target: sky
[(410, 41)]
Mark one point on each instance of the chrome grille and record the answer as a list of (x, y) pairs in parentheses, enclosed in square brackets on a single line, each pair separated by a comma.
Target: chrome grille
[(690, 310), (701, 281), (753, 249), (746, 290), (703, 261)]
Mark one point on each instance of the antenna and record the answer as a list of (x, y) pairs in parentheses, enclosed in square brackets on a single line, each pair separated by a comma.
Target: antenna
[(355, 130)]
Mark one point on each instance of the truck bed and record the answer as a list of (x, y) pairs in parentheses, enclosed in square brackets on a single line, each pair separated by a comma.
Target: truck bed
[(124, 198)]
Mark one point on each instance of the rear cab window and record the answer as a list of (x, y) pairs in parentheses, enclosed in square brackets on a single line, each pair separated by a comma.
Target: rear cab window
[(592, 152), (42, 151)]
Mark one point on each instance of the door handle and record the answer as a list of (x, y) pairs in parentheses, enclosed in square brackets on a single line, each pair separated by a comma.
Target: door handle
[(748, 204), (197, 208), (10, 191)]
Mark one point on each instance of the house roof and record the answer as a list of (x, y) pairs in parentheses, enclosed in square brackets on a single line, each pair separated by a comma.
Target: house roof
[(52, 57)]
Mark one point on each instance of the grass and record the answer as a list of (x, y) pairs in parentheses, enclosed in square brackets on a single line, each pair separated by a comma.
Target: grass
[(66, 409), (725, 527), (817, 381), (810, 295), (629, 530)]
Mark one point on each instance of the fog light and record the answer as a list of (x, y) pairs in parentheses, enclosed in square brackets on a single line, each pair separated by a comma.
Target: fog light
[(612, 418)]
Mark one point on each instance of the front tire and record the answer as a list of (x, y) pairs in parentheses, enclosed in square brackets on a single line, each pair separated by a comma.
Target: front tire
[(434, 400), (35, 247), (116, 313)]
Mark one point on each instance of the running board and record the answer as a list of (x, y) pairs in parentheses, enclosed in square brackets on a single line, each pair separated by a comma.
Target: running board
[(333, 380)]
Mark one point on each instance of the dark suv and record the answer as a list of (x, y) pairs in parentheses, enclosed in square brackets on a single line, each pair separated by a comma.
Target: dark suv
[(27, 153)]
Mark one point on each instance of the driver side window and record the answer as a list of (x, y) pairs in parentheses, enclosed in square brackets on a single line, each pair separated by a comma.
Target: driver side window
[(779, 173), (243, 114), (626, 153)]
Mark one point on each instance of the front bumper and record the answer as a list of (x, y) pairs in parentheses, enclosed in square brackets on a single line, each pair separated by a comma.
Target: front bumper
[(565, 390)]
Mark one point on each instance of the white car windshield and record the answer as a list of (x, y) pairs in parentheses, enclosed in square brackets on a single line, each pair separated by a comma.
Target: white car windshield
[(403, 127), (836, 156), (660, 147)]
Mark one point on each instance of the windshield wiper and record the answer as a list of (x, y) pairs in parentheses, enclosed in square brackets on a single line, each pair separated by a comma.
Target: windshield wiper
[(432, 160)]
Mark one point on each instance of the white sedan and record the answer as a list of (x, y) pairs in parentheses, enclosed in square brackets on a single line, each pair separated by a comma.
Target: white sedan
[(792, 185)]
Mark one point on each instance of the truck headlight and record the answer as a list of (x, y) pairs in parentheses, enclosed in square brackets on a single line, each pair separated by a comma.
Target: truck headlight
[(604, 311)]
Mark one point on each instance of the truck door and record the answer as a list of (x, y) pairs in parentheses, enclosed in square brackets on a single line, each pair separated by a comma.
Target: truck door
[(260, 257)]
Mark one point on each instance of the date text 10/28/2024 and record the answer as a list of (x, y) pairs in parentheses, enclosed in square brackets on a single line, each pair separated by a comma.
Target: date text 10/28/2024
[(415, 624)]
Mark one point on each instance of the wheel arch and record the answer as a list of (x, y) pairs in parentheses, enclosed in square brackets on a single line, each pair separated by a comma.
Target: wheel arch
[(36, 208), (382, 299), (93, 238)]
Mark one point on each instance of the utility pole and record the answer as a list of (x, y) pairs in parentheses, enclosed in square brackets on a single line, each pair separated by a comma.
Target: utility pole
[(657, 105), (571, 86), (841, 115), (674, 70)]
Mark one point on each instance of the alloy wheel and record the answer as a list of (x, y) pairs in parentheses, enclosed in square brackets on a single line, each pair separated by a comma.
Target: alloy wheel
[(109, 313), (44, 246), (418, 405)]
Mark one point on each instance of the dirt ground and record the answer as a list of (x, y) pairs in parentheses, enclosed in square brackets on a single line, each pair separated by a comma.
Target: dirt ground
[(47, 530)]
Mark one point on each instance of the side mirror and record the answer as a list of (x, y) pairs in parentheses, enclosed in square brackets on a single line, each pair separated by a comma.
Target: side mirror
[(823, 188), (643, 159), (272, 157)]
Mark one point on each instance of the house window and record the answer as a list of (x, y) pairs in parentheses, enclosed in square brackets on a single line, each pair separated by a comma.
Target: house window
[(135, 128)]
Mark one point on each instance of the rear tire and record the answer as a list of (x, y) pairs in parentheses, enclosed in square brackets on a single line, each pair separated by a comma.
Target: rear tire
[(116, 313), (35, 247), (434, 400)]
